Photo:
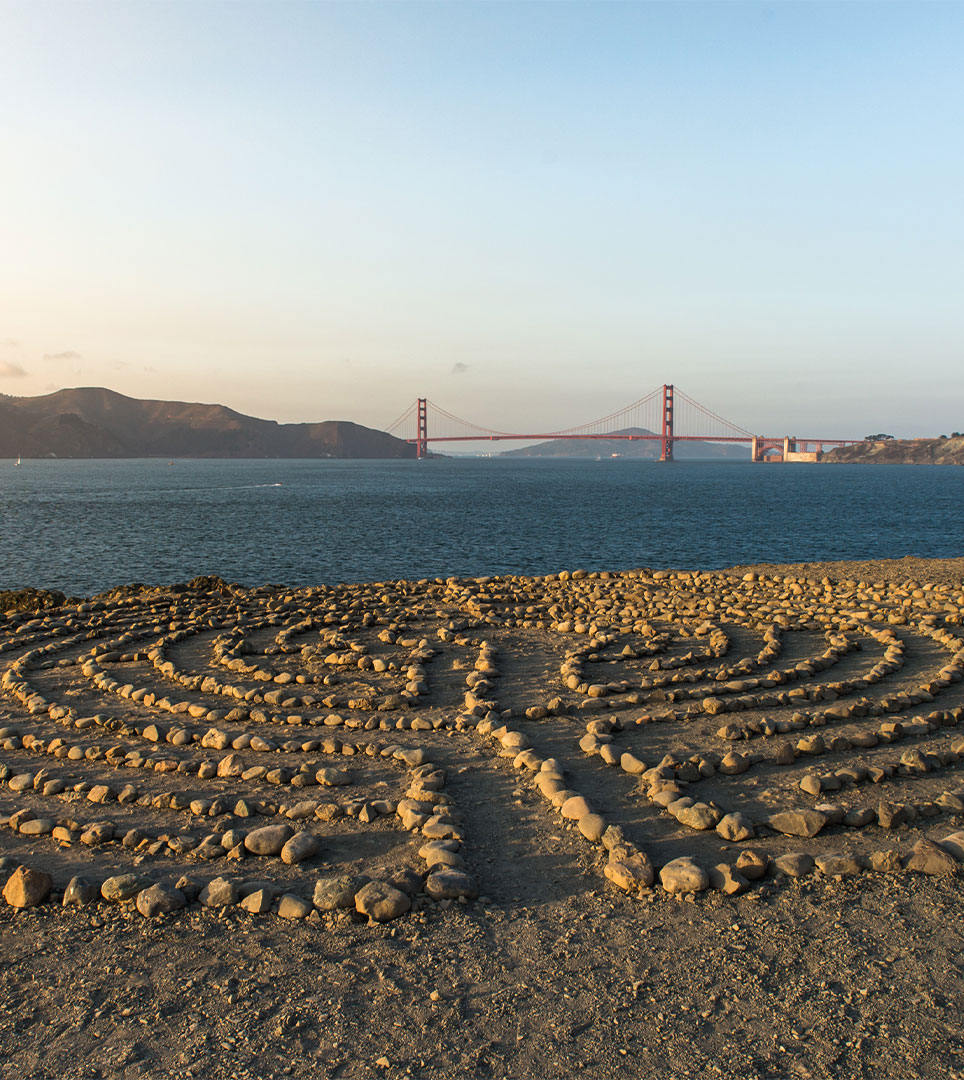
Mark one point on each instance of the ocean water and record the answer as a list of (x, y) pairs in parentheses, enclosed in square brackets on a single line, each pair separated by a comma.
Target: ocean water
[(84, 526)]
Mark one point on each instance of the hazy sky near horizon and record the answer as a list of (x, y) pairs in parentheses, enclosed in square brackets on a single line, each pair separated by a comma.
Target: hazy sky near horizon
[(531, 213)]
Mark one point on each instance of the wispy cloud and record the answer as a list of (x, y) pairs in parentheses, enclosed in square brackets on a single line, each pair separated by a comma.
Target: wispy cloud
[(458, 368), (69, 354), (9, 370), (10, 343)]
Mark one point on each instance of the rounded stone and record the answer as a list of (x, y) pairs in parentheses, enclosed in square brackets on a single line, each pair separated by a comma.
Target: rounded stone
[(159, 900), (301, 846), (381, 902), (332, 894), (451, 884), (592, 827), (575, 807), (121, 887), (291, 906), (268, 840), (683, 876)]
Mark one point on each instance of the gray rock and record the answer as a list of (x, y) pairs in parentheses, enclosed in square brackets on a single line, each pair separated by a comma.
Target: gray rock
[(121, 887), (629, 870), (37, 827), (451, 884), (159, 899), (381, 901), (954, 844), (797, 822), (891, 815), (838, 866), (332, 894), (249, 887), (752, 864), (301, 846), (795, 864), (268, 840), (293, 907), (735, 827), (930, 858), (728, 880), (259, 901), (219, 893), (885, 861), (409, 881), (592, 827), (699, 816), (80, 892)]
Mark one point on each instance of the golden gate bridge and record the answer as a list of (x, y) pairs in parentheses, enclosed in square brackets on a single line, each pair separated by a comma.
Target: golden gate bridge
[(667, 416)]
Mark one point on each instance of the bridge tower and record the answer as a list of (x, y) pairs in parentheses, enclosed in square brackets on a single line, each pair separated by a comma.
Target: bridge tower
[(421, 443), (666, 444)]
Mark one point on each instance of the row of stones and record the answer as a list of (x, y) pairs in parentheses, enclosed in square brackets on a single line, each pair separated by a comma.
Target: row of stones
[(35, 703), (572, 668), (666, 783), (684, 875), (425, 777), (425, 809), (628, 867), (726, 594), (730, 600), (380, 899), (951, 672)]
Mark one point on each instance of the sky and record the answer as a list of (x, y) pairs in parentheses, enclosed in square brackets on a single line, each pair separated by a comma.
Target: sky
[(530, 213)]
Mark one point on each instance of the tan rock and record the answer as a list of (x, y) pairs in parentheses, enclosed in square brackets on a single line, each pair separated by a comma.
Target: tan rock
[(27, 888)]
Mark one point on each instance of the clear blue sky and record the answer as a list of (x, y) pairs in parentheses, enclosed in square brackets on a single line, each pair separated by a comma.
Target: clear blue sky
[(531, 213)]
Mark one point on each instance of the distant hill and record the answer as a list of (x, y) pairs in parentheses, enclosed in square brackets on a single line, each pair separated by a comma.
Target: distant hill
[(647, 449), (900, 452), (91, 422)]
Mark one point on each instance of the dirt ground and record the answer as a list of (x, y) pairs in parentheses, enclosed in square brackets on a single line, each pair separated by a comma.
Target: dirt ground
[(551, 970)]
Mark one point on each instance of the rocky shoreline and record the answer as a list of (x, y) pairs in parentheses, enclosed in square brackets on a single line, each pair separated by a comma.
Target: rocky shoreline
[(942, 451), (524, 826)]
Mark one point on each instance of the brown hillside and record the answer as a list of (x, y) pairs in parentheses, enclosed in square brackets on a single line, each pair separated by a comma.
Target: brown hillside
[(100, 423)]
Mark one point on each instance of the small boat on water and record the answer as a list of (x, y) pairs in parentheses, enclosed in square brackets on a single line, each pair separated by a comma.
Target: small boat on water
[(17, 462)]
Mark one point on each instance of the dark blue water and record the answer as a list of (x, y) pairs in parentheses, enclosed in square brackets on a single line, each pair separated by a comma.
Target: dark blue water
[(83, 526)]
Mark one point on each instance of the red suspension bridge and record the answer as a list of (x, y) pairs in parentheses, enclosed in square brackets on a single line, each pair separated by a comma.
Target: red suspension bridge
[(666, 416)]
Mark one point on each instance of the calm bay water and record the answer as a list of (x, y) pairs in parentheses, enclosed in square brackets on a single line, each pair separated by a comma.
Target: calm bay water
[(84, 526)]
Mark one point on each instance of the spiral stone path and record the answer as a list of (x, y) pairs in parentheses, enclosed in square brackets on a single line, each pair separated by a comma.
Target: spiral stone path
[(367, 751)]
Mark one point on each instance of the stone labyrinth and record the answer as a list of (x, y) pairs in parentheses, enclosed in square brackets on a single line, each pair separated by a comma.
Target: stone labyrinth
[(290, 751)]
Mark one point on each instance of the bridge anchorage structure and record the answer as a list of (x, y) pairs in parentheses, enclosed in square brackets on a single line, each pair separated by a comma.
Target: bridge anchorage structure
[(666, 415)]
